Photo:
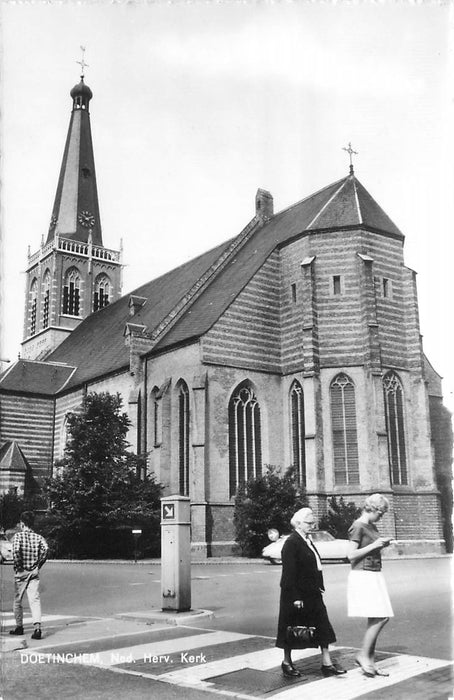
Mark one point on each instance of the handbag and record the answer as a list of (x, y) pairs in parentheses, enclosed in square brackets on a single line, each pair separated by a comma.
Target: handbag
[(301, 637)]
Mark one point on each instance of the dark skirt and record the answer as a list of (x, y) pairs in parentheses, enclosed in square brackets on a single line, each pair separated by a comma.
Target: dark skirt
[(314, 614)]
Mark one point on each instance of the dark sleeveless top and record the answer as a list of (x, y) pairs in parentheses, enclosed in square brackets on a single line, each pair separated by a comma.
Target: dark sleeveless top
[(364, 534)]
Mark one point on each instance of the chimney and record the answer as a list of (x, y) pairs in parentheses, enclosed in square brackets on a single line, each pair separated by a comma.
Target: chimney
[(264, 204)]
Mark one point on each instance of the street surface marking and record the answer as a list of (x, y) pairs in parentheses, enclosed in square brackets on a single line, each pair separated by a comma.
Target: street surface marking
[(259, 660), (203, 676), (168, 646), (8, 620), (87, 640), (354, 684)]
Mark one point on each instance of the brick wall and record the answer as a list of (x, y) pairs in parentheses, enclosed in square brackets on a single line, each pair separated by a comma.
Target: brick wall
[(417, 516), (248, 333), (29, 421)]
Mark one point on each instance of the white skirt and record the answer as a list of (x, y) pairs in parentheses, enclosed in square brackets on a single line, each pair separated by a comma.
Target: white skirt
[(367, 594)]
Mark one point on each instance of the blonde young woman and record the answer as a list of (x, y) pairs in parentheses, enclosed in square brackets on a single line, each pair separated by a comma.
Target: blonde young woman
[(367, 592)]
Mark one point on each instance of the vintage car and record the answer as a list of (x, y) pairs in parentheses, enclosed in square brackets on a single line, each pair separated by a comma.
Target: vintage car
[(6, 549), (327, 546)]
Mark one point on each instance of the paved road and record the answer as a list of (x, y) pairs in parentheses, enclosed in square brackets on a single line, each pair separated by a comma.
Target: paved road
[(238, 641)]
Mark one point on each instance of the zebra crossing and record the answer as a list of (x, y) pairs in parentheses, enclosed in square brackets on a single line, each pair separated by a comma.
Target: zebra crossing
[(220, 662)]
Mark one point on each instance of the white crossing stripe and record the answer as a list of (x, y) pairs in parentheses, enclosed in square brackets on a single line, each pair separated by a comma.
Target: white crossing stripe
[(168, 646), (354, 684), (7, 619), (259, 660)]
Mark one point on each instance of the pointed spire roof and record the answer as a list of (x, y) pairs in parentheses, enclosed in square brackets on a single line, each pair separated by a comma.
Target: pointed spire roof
[(350, 204), (75, 213), (12, 458)]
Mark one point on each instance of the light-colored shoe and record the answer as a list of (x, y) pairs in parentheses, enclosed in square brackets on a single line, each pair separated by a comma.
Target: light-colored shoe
[(366, 668)]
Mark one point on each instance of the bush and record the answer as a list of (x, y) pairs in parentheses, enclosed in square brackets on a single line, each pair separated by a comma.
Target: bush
[(268, 501), (339, 518), (11, 507)]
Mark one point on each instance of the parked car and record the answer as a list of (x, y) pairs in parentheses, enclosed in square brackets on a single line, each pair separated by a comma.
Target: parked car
[(328, 546), (6, 549)]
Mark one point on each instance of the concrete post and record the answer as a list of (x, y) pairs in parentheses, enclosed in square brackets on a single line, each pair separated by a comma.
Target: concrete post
[(176, 553)]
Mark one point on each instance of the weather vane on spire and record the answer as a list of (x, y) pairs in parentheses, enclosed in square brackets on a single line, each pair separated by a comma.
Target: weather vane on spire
[(350, 152), (82, 62)]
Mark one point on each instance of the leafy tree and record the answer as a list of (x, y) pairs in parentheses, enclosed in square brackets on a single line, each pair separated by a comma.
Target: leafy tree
[(265, 502), (339, 517), (97, 495), (12, 505)]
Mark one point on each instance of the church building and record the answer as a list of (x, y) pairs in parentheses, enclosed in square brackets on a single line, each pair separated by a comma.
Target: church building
[(295, 342)]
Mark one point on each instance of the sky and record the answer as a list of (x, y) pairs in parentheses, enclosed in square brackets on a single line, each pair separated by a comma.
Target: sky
[(196, 105)]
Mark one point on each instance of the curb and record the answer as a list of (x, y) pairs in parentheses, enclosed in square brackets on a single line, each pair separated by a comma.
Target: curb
[(168, 617), (225, 560)]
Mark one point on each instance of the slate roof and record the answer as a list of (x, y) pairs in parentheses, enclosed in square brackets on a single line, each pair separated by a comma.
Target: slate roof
[(97, 345), (12, 458), (33, 377)]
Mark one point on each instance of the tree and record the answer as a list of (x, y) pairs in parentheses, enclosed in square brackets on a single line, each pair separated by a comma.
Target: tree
[(267, 501), (98, 494), (339, 517), (11, 507)]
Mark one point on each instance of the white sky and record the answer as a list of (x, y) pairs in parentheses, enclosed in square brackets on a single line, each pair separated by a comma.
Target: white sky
[(197, 104)]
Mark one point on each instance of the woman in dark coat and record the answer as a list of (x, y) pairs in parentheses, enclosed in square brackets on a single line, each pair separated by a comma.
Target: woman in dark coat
[(302, 594)]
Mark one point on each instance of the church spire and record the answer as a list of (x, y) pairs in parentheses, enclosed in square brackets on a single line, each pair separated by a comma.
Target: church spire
[(76, 209)]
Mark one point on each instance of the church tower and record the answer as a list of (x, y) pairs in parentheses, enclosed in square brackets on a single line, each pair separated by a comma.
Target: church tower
[(72, 275)]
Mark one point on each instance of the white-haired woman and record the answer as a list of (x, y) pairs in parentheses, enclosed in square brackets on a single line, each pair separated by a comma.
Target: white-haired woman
[(302, 589), (367, 591)]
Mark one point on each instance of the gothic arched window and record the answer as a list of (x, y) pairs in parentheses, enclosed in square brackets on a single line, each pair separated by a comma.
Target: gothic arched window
[(183, 438), (71, 293), (46, 298), (298, 431), (345, 440), (395, 428), (245, 448), (33, 305), (102, 292)]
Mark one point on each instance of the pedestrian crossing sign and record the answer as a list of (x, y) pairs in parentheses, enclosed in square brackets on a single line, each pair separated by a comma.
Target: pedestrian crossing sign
[(168, 511)]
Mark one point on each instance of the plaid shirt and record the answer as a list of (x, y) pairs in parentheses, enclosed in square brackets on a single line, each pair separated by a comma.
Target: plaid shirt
[(29, 550)]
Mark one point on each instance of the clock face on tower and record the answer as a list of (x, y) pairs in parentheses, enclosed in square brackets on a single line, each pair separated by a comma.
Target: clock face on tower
[(86, 219)]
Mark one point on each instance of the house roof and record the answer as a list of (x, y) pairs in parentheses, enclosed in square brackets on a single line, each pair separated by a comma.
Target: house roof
[(12, 458), (96, 347), (33, 377)]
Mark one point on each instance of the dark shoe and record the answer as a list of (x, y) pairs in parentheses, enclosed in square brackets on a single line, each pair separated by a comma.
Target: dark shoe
[(37, 633), (18, 631), (333, 670), (289, 670), (367, 669)]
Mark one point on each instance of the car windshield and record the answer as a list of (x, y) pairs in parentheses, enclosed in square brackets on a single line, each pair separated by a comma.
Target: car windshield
[(322, 536)]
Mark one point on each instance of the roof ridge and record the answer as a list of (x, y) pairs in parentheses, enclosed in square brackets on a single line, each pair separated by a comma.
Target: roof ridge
[(314, 194), (358, 206), (331, 199), (201, 283), (164, 274)]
